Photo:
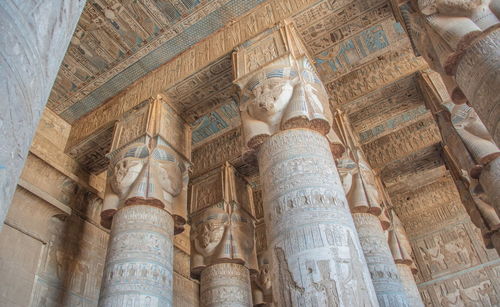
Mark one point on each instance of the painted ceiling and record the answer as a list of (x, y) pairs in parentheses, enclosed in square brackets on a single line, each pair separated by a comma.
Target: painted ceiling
[(117, 42)]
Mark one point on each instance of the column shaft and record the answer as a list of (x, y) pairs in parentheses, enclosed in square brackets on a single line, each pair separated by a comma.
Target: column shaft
[(317, 258), (409, 285), (385, 276), (139, 263), (225, 285), (478, 76), (490, 181)]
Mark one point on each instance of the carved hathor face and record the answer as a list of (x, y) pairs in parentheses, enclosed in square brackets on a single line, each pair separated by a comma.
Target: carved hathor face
[(209, 233), (143, 173), (271, 96)]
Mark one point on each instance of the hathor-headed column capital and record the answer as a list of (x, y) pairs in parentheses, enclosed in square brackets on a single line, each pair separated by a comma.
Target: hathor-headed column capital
[(280, 88), (221, 216), (145, 168)]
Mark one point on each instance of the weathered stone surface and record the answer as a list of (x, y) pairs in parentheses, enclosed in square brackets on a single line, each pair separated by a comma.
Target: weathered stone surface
[(139, 263), (28, 67), (385, 276), (409, 285), (310, 228), (225, 285)]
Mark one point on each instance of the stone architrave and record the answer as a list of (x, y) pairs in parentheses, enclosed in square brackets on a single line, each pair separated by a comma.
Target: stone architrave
[(222, 237), (316, 256), (462, 39), (145, 175), (35, 37), (401, 252)]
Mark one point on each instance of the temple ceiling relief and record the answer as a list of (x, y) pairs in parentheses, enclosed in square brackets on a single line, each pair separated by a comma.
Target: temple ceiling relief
[(118, 42)]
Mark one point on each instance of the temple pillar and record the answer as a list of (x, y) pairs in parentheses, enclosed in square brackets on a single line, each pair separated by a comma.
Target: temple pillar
[(225, 285), (316, 256), (461, 39), (401, 251), (365, 202), (478, 76), (139, 264), (145, 175), (222, 237), (385, 276), (469, 153), (35, 37)]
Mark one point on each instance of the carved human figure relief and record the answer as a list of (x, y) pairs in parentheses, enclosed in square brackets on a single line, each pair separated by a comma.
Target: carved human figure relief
[(473, 133), (142, 172), (261, 281), (222, 232), (359, 184), (286, 94)]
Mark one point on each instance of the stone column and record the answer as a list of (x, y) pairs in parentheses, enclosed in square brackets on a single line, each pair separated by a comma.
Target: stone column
[(35, 37), (145, 174), (478, 76), (225, 285), (364, 200), (222, 237), (316, 256), (462, 39), (383, 270), (139, 264), (401, 252)]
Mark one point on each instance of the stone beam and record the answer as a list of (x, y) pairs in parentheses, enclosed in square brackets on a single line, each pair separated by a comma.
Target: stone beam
[(187, 63), (402, 142)]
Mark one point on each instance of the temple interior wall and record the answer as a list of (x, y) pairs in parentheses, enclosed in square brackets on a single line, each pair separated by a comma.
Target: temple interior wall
[(53, 249)]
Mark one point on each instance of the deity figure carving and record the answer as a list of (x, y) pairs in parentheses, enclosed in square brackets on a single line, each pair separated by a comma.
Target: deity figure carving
[(484, 217), (261, 282), (474, 134), (222, 233), (359, 183), (284, 96), (455, 23), (142, 172)]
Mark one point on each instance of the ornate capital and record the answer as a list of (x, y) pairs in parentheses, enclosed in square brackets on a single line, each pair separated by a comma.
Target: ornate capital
[(398, 242), (222, 220), (280, 88), (145, 169)]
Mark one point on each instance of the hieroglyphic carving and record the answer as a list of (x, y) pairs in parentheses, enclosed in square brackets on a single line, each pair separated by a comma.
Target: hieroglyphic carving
[(433, 204), (71, 265), (186, 291), (227, 147), (210, 49), (373, 75), (446, 251), (383, 270), (469, 288), (314, 244), (225, 285), (223, 184), (416, 136), (139, 263)]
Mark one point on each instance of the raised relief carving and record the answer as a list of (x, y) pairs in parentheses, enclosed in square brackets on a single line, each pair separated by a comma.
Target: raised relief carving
[(280, 90), (144, 167), (359, 184), (474, 134), (261, 282), (224, 232)]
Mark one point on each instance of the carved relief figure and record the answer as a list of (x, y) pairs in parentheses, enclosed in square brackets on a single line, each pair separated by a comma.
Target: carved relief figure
[(455, 23), (474, 134), (282, 96), (141, 173), (223, 231)]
